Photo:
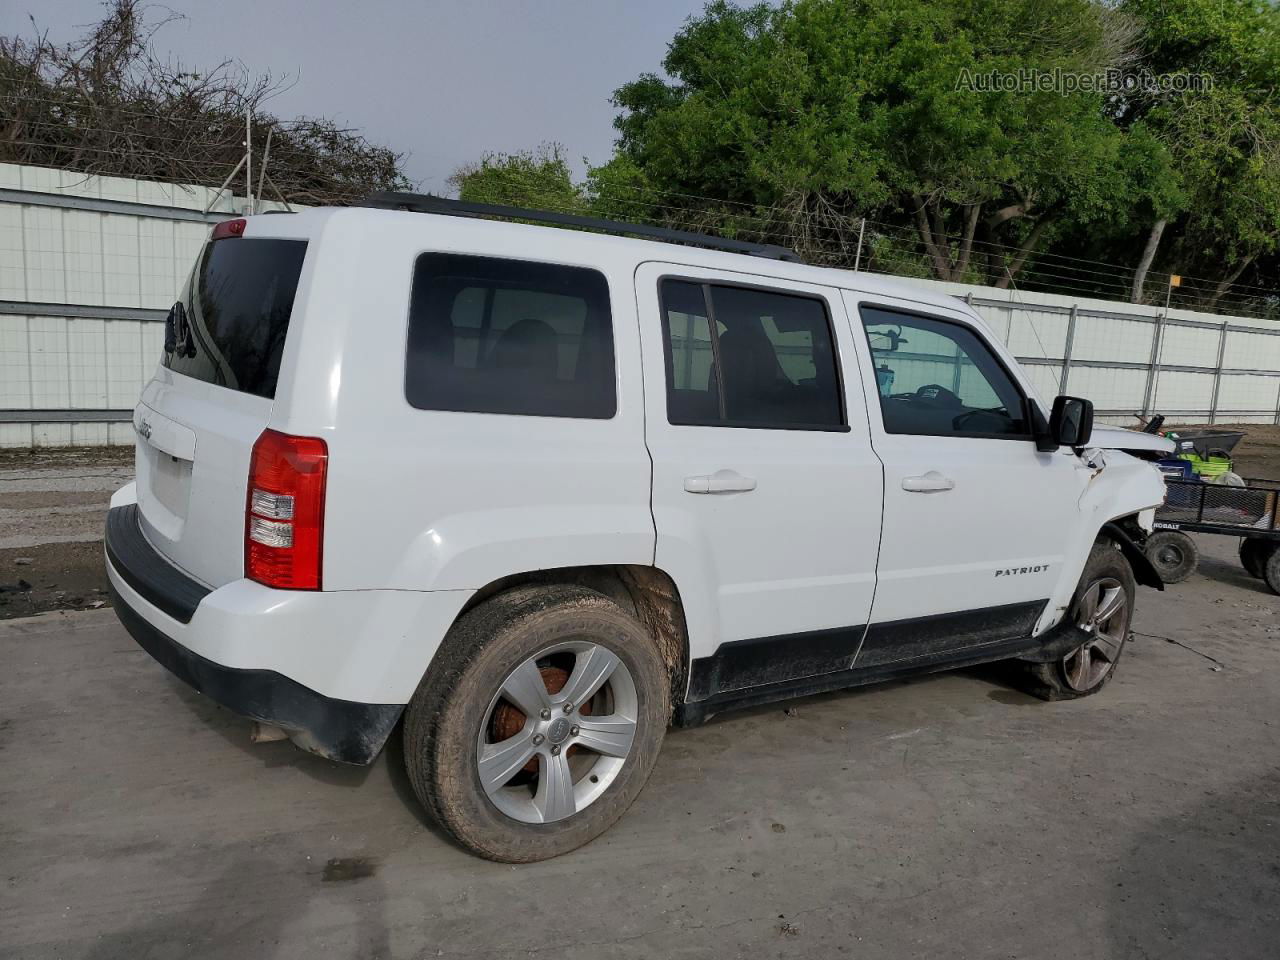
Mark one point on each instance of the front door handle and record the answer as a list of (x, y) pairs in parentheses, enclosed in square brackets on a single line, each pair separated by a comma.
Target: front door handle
[(722, 481), (931, 482)]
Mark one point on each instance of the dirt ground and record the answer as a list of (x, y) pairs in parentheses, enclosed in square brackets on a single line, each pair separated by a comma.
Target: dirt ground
[(52, 504), (1258, 454), (951, 816), (948, 817)]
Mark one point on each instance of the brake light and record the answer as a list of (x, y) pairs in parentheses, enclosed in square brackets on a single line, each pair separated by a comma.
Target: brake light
[(229, 228), (284, 515)]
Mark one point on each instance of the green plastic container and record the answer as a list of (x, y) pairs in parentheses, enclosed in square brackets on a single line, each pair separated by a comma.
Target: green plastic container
[(1213, 465)]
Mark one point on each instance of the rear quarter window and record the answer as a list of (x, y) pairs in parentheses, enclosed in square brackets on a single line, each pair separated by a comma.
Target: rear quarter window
[(229, 326), (489, 335)]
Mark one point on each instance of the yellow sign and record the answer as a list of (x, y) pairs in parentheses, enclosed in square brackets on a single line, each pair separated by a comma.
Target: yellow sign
[(1175, 280)]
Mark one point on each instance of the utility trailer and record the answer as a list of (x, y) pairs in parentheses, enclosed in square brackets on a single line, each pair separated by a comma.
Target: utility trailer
[(1192, 506)]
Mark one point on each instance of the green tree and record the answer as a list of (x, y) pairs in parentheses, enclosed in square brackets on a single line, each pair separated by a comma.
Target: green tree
[(1224, 139), (536, 179), (797, 118)]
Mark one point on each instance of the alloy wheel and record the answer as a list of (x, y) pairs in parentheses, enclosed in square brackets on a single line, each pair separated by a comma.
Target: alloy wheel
[(558, 732), (1103, 611)]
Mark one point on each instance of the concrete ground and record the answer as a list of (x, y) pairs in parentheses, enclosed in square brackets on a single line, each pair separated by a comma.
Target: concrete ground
[(945, 817)]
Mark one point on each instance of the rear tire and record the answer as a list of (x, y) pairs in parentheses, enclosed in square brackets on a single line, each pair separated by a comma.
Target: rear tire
[(1104, 601), (519, 782), (1173, 554), (1253, 556)]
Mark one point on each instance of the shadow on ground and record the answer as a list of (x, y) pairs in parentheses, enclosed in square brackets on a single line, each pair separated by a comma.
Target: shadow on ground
[(1217, 873), (230, 909)]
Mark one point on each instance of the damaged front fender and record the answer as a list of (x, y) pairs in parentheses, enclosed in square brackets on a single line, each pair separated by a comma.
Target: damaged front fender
[(1144, 570), (1119, 486)]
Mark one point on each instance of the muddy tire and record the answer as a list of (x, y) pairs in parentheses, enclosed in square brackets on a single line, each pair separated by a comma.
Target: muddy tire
[(1104, 600), (1253, 556), (1174, 555), (1271, 572), (495, 747)]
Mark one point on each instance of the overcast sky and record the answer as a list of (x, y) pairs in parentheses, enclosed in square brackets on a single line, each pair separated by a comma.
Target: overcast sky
[(441, 80)]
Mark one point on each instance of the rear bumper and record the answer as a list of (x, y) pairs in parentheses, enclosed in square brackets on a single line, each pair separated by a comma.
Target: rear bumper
[(339, 730), (333, 669)]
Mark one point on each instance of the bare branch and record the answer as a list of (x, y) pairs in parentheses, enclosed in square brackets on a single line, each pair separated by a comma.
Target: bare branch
[(106, 105)]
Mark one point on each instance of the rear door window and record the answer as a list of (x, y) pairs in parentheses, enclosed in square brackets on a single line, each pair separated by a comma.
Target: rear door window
[(230, 324), (489, 335), (745, 357)]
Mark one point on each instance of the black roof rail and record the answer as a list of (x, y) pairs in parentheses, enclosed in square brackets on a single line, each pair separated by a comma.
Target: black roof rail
[(427, 203)]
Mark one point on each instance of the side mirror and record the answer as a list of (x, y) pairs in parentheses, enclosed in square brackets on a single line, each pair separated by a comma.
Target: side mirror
[(884, 341), (1071, 422)]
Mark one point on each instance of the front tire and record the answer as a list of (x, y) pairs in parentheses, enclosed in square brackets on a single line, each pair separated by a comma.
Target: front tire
[(538, 723), (1103, 604)]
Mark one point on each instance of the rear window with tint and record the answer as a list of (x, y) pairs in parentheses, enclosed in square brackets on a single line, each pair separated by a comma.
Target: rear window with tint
[(491, 335), (229, 326), (746, 357)]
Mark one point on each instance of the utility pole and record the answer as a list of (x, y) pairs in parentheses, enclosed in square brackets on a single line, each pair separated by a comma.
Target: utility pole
[(262, 167), (245, 163), (248, 160), (1157, 347)]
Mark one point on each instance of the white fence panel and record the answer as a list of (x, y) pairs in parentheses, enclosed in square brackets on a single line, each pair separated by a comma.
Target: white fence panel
[(89, 264), (87, 267), (1107, 349), (1108, 338)]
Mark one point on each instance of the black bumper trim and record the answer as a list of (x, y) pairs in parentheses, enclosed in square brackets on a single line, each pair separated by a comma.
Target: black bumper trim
[(154, 579), (341, 730)]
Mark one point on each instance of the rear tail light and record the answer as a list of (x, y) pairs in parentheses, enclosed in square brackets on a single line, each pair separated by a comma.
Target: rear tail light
[(284, 516)]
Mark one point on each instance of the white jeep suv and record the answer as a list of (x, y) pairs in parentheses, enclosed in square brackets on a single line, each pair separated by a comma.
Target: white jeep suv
[(537, 493)]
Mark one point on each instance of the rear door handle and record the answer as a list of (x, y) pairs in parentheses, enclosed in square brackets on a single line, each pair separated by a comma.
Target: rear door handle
[(722, 481), (931, 482)]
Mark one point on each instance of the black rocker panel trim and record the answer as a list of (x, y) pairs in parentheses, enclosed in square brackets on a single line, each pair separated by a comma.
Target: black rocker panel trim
[(694, 712), (1052, 644), (944, 634), (741, 666)]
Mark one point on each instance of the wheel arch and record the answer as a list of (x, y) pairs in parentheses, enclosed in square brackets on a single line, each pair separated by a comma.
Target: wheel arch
[(647, 593), (1124, 530)]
